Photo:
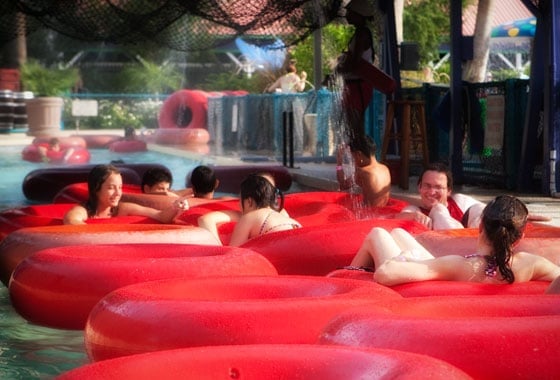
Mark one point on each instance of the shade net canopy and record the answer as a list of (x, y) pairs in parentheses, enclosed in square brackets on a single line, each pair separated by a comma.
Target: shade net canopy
[(184, 25)]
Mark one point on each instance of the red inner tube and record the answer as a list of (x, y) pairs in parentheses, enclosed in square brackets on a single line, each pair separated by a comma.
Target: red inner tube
[(184, 109)]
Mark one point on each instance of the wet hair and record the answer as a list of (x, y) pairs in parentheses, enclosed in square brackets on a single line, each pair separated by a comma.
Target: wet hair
[(96, 177), (440, 168), (503, 221), (203, 180), (364, 145), (291, 68), (263, 193), (53, 141), (155, 175), (279, 196)]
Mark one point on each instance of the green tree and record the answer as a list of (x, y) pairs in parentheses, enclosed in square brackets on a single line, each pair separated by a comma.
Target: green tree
[(334, 40), (152, 78), (427, 23)]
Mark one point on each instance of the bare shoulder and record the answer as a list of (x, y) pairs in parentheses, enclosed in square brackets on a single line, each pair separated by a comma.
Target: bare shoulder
[(76, 215)]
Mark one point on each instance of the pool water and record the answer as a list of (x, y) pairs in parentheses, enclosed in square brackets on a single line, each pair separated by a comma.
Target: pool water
[(28, 351), (14, 169)]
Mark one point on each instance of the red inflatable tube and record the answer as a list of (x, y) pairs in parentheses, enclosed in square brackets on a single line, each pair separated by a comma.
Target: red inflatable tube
[(53, 215), (318, 250), (457, 288), (31, 216), (99, 141), (195, 138), (79, 155), (184, 109), (539, 240), (26, 241), (221, 311), (309, 208), (270, 361), (483, 347), (43, 185), (518, 305), (58, 287), (65, 142), (128, 146), (449, 288)]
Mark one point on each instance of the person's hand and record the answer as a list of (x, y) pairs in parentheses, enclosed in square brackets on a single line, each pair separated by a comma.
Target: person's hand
[(181, 204), (416, 216), (303, 75)]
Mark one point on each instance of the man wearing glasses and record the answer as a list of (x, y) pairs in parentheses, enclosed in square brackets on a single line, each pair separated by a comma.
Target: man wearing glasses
[(439, 208)]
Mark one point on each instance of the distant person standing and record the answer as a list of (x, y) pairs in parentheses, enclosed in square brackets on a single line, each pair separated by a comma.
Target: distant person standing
[(290, 82)]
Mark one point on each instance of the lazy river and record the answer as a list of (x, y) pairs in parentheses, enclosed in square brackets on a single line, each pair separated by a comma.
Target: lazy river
[(28, 351)]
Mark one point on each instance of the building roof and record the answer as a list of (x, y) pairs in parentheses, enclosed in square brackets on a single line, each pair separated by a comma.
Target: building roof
[(504, 12)]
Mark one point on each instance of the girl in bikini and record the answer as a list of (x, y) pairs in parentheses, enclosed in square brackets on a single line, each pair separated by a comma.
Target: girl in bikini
[(399, 258), (260, 212), (105, 193)]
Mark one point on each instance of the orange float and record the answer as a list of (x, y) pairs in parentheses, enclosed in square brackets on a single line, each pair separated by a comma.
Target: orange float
[(178, 313), (26, 241), (270, 361), (58, 287)]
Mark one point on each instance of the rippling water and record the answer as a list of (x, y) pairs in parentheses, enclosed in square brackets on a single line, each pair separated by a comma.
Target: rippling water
[(29, 352)]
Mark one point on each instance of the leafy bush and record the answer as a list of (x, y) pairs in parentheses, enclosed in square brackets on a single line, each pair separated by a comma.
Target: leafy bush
[(119, 113), (43, 81)]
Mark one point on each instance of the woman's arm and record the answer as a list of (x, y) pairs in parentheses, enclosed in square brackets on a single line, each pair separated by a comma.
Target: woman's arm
[(166, 215), (76, 215), (211, 220), (544, 269)]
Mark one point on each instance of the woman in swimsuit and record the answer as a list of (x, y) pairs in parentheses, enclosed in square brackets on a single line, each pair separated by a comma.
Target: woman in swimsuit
[(105, 192), (261, 212), (399, 258)]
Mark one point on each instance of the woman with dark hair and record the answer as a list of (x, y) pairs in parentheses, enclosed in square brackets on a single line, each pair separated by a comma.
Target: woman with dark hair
[(261, 212), (399, 258), (105, 192)]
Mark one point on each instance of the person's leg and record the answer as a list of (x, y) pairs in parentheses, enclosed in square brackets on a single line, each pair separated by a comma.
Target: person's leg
[(378, 246), (441, 219), (409, 246)]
